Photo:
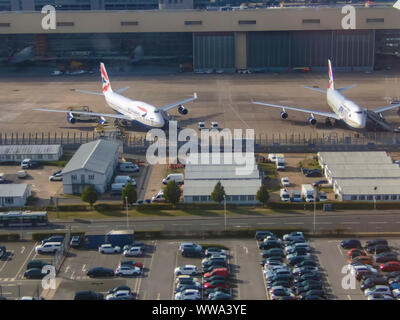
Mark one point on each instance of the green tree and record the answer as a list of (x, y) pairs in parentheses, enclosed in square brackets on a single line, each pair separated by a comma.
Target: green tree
[(89, 195), (262, 195), (218, 193), (129, 192), (172, 192)]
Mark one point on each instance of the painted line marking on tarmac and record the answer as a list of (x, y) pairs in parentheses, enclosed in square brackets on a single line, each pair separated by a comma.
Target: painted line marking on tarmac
[(294, 223), (22, 249), (340, 251), (377, 222), (269, 223), (27, 257), (350, 222), (84, 268)]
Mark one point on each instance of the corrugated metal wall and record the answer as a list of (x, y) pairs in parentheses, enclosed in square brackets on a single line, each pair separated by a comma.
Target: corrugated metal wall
[(213, 50), (347, 48)]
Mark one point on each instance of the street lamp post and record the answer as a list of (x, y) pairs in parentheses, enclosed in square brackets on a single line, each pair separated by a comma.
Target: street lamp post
[(225, 210), (127, 218), (315, 205), (375, 188)]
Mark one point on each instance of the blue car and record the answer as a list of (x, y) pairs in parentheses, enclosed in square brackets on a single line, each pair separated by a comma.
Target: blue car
[(394, 285), (350, 244)]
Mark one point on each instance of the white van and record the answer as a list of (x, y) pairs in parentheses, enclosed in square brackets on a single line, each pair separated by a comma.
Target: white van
[(2, 177), (116, 188), (125, 180), (285, 195), (128, 167), (177, 177), (48, 247), (159, 197)]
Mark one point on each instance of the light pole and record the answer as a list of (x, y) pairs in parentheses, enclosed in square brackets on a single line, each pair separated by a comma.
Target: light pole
[(127, 218), (315, 204), (375, 188), (225, 209)]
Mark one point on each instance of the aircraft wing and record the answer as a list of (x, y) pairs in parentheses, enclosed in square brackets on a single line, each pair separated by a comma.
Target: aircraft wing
[(382, 109), (320, 113), (108, 115), (166, 108)]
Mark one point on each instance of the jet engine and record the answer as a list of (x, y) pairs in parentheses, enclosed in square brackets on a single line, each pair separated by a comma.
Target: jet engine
[(182, 110), (284, 115), (312, 120), (71, 118)]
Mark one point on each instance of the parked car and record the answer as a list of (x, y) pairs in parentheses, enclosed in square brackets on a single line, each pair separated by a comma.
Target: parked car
[(37, 264), (57, 177), (217, 271), (215, 284), (131, 263), (362, 259), (133, 252), (188, 294), (314, 292), (355, 252), (385, 257), (277, 292), (21, 174), (88, 295), (308, 262), (214, 266), (35, 273), (109, 248), (53, 239), (350, 244), (272, 253), (213, 250), (261, 235), (285, 182), (379, 296), (121, 295), (313, 173), (382, 289), (375, 242), (48, 247), (318, 183), (372, 282), (100, 272), (119, 288), (76, 241), (293, 235), (266, 245), (128, 271), (219, 295), (378, 249), (390, 266), (187, 269)]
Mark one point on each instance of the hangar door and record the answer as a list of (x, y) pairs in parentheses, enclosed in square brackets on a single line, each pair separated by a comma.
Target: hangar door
[(213, 50), (347, 49)]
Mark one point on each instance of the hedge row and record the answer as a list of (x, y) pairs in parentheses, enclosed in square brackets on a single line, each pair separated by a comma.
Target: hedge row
[(39, 236), (10, 237)]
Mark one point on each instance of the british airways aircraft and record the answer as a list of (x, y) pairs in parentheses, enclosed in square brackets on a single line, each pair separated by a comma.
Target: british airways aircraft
[(127, 109), (343, 109)]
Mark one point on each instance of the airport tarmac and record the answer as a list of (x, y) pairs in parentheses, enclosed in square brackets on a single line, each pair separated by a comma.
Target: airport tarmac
[(222, 98)]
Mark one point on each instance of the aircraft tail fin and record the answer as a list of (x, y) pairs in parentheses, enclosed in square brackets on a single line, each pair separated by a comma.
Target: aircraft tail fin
[(331, 80), (104, 79)]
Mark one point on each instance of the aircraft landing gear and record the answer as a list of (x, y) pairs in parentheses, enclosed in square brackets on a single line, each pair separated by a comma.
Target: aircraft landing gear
[(328, 122)]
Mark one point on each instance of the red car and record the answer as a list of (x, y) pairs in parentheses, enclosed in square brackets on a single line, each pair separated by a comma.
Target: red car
[(390, 266), (355, 253), (217, 272), (215, 284)]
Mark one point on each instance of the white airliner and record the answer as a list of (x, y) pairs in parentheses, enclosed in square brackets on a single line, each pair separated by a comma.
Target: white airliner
[(128, 109), (343, 109)]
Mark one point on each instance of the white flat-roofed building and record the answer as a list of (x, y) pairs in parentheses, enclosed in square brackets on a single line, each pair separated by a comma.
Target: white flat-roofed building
[(240, 185), (369, 171), (354, 157), (14, 195), (363, 192), (37, 152)]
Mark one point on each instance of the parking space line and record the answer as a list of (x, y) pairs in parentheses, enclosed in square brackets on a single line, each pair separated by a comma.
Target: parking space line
[(173, 281), (294, 223), (5, 262), (152, 258), (269, 223), (340, 251), (350, 222), (377, 222), (23, 265)]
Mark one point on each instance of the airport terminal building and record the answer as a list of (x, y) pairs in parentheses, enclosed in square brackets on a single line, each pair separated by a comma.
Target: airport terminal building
[(185, 36)]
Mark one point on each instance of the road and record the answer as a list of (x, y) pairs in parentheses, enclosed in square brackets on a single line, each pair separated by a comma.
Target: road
[(384, 221)]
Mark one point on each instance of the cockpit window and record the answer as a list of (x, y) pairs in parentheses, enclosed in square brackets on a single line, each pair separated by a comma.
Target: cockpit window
[(359, 112), (156, 111)]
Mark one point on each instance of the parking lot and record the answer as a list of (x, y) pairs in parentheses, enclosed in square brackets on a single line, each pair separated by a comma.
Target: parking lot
[(42, 187), (161, 257)]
